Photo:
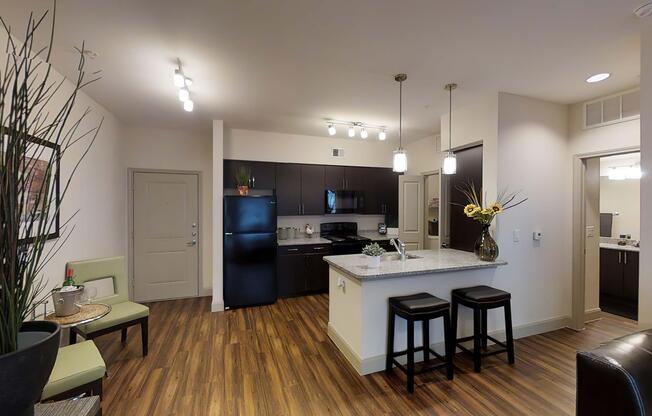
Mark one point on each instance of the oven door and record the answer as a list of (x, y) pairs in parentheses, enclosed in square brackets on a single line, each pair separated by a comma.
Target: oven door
[(343, 202)]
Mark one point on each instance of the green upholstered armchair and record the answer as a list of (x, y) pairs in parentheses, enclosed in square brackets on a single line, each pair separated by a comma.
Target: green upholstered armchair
[(123, 312)]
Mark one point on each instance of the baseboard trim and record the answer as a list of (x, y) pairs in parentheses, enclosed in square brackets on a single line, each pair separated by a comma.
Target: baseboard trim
[(592, 314), (217, 305), (377, 363)]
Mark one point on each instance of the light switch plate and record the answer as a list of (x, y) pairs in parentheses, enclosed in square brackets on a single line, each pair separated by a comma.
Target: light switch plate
[(517, 235)]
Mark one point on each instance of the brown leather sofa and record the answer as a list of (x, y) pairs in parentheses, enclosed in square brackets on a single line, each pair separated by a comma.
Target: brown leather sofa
[(616, 378)]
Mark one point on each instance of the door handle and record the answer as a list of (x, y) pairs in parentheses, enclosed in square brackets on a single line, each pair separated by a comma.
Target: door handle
[(193, 242)]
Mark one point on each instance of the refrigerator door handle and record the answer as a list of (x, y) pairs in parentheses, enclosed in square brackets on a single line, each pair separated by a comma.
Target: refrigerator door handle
[(228, 233)]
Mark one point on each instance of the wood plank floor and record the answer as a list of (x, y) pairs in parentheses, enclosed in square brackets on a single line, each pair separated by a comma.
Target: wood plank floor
[(278, 360)]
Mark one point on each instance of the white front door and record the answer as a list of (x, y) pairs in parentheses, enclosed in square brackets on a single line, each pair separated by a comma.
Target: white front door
[(165, 235), (410, 211)]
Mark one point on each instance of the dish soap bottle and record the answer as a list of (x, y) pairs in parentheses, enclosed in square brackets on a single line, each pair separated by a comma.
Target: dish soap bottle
[(69, 278)]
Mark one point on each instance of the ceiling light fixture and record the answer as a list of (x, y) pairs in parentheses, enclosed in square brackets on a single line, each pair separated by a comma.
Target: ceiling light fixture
[(331, 129), (351, 131), (182, 82), (382, 135), (178, 79), (363, 133), (351, 127), (450, 161), (598, 77), (399, 163), (188, 105), (184, 94)]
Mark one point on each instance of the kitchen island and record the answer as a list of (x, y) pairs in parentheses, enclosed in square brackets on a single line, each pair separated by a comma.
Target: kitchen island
[(358, 298)]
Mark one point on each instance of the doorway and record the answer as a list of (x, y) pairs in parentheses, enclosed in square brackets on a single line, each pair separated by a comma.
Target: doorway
[(431, 210), (590, 258), (165, 234)]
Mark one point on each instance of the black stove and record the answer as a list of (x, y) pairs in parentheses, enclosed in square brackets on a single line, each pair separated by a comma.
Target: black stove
[(344, 236)]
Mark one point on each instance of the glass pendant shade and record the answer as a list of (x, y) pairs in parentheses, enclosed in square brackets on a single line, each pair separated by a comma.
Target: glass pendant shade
[(400, 161), (450, 164)]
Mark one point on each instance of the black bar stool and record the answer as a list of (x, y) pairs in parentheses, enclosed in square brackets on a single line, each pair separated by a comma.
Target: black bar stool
[(419, 307), (481, 299)]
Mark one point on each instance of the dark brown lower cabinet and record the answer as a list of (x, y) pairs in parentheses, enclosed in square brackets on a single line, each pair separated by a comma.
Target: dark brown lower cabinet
[(619, 282), (302, 270)]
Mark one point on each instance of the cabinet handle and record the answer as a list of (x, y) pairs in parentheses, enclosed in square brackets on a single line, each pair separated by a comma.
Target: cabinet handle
[(303, 209), (318, 248), (620, 254), (293, 249), (625, 253)]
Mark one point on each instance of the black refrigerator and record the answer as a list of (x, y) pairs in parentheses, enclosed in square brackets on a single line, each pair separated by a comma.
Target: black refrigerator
[(249, 250)]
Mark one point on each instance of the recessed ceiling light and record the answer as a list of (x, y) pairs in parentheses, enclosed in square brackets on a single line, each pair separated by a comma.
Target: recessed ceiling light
[(644, 11), (598, 77)]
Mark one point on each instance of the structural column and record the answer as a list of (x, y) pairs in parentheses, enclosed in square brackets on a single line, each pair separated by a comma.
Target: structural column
[(217, 195), (645, 273)]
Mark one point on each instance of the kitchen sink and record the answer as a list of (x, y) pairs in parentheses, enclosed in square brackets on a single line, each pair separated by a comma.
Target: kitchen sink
[(397, 257)]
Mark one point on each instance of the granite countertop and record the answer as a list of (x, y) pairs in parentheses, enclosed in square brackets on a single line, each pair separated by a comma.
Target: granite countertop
[(613, 246), (316, 239), (375, 235), (303, 240), (430, 261)]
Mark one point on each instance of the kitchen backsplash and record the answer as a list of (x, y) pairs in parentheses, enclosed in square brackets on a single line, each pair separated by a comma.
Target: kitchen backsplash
[(365, 222)]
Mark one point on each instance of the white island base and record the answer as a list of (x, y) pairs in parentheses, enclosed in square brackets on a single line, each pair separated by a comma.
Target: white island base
[(358, 300)]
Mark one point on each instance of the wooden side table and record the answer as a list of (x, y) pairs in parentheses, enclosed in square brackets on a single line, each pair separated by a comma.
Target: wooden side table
[(86, 406)]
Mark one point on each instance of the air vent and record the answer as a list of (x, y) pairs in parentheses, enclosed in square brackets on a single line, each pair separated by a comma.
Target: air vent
[(338, 152), (613, 109)]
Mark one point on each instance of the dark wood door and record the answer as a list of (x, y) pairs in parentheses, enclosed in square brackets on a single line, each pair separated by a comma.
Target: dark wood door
[(291, 275), (334, 177), (463, 230), (611, 273), (312, 190), (288, 189), (263, 175), (630, 276)]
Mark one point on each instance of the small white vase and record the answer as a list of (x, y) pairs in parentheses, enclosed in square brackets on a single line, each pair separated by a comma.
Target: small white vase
[(374, 261)]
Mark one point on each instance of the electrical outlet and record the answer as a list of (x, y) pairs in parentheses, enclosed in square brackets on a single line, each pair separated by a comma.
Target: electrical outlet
[(590, 230), (341, 283), (517, 235)]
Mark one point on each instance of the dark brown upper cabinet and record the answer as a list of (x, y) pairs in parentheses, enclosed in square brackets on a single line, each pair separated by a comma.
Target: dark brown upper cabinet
[(288, 189), (312, 190), (334, 177), (263, 174)]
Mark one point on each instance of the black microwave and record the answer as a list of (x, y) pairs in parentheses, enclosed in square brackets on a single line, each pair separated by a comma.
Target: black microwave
[(344, 202)]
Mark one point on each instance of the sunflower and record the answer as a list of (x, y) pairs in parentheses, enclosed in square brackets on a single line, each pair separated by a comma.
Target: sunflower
[(496, 207), (471, 209)]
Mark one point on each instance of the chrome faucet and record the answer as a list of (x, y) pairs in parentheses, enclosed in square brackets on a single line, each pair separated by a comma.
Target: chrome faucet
[(400, 247)]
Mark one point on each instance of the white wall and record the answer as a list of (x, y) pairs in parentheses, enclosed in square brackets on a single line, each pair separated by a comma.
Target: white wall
[(532, 155), (281, 147), (600, 139), (151, 148), (645, 266), (96, 192), (473, 124), (623, 197), (423, 155)]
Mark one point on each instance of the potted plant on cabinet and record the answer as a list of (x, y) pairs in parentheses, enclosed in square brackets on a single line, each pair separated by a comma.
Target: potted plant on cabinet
[(35, 134), (242, 176), (373, 251)]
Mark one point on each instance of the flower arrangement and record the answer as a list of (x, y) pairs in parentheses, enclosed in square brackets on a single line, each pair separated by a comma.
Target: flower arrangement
[(373, 250), (485, 214)]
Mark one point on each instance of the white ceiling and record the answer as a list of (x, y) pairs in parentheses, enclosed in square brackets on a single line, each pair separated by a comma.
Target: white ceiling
[(617, 161), (288, 65)]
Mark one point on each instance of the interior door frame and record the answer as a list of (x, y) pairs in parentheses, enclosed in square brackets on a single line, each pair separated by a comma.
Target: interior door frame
[(578, 286), (131, 172)]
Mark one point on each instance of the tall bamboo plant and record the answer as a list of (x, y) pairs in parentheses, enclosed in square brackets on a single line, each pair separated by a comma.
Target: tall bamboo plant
[(30, 116)]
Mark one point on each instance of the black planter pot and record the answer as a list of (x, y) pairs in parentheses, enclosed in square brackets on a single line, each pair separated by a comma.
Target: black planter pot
[(24, 372)]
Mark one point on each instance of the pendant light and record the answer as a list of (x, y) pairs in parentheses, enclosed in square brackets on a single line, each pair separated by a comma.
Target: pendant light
[(450, 161), (400, 157)]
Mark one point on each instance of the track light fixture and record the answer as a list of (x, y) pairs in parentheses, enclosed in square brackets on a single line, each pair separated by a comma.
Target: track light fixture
[(351, 127), (182, 82)]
